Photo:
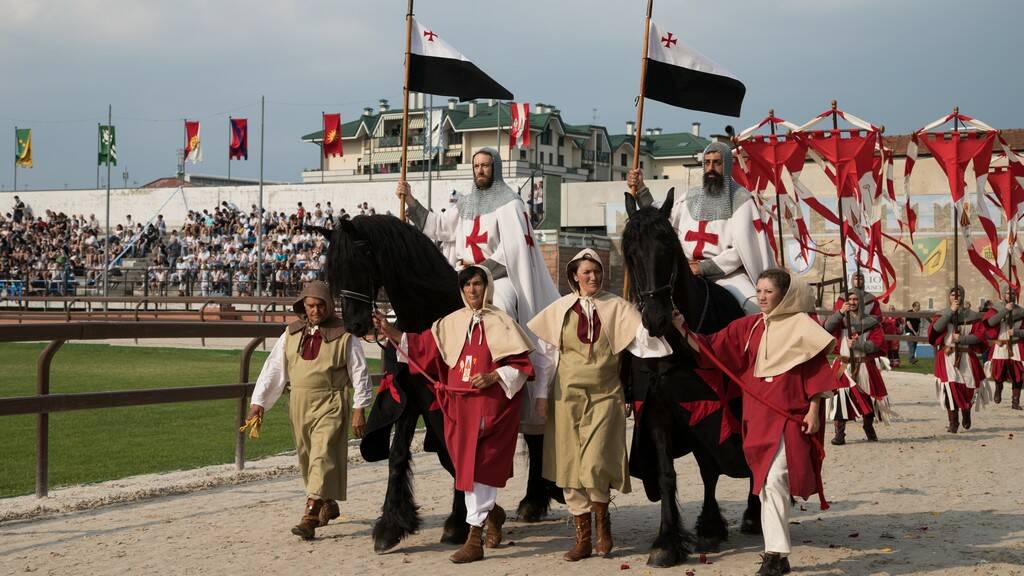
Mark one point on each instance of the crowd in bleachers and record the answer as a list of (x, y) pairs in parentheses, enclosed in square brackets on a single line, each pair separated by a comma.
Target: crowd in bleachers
[(212, 254)]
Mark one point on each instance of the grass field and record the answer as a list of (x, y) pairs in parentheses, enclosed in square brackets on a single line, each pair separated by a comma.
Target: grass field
[(97, 445)]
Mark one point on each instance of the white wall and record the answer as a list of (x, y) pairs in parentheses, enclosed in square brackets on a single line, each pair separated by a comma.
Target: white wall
[(144, 203)]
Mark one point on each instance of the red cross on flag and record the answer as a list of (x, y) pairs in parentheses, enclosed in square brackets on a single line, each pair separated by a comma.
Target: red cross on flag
[(437, 68), (519, 131), (680, 76)]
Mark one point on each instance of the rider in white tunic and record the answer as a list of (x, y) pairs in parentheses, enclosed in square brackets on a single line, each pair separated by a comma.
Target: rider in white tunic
[(719, 227), (490, 227)]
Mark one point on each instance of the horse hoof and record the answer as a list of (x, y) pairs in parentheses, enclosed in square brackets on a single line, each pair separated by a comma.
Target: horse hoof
[(705, 544), (665, 557), (382, 545), (750, 526), (531, 510), (455, 533), (386, 536)]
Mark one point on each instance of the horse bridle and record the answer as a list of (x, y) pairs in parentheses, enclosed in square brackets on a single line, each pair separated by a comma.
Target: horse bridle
[(367, 298), (644, 295)]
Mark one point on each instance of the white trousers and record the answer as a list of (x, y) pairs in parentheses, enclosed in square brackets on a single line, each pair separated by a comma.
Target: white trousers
[(775, 500), (479, 503)]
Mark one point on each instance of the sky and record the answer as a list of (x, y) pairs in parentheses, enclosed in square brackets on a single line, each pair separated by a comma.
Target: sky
[(901, 63)]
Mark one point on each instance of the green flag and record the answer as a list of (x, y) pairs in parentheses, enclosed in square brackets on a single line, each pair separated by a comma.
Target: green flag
[(23, 154), (108, 146)]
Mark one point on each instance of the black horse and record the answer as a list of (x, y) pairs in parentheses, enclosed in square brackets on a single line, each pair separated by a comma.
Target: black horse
[(367, 254), (683, 408)]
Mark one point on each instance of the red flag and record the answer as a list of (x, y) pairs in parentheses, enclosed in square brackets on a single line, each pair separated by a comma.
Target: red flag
[(193, 150), (953, 155), (519, 130), (239, 147), (332, 135)]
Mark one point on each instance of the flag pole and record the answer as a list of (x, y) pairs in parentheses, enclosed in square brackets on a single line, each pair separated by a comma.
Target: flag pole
[(778, 197), (405, 108), (184, 148), (231, 137), (106, 245), (842, 229), (640, 98), (956, 249), (259, 215), (15, 159), (323, 143), (639, 121), (430, 148), (98, 143)]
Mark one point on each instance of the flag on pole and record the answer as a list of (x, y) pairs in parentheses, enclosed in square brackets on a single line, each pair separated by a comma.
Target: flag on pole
[(238, 149), (519, 130), (680, 76), (193, 150), (436, 140), (23, 154), (108, 146), (332, 135), (437, 68)]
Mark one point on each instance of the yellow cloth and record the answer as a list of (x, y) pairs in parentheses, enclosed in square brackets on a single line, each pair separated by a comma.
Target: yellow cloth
[(619, 319), (253, 425), (790, 336), (504, 336), (319, 406)]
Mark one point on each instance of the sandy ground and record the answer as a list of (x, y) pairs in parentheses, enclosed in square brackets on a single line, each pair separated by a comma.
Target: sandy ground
[(921, 501)]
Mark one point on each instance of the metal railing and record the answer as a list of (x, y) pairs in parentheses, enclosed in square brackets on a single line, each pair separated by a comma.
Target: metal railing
[(43, 402)]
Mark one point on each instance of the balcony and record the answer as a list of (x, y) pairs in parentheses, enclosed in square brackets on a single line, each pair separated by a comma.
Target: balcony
[(603, 158), (396, 141)]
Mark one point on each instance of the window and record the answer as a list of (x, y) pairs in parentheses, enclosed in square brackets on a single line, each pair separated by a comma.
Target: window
[(600, 145), (641, 164), (622, 159), (545, 137), (522, 154), (550, 158), (561, 160), (561, 140)]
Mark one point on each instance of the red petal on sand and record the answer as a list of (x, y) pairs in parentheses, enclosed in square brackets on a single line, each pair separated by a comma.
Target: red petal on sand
[(703, 558), (623, 566)]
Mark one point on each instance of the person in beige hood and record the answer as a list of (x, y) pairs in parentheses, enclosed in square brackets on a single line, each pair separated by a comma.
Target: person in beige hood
[(321, 362), (583, 335), (781, 358)]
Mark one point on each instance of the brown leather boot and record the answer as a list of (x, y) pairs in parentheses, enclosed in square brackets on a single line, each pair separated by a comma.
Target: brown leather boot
[(954, 421), (840, 437), (602, 528), (965, 418), (329, 511), (583, 547), (306, 528), (473, 549), (495, 519), (1015, 404), (998, 396), (869, 428)]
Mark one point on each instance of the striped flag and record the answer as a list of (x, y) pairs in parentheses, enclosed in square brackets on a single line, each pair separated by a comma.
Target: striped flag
[(519, 130)]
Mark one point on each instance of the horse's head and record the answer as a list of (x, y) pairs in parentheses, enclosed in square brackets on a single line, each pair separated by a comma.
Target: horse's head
[(352, 274), (654, 261)]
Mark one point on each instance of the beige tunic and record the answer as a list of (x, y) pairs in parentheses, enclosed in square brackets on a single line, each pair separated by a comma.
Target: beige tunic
[(319, 412), (585, 438)]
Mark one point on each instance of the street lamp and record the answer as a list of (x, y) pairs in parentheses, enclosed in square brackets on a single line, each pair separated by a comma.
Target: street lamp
[(125, 176)]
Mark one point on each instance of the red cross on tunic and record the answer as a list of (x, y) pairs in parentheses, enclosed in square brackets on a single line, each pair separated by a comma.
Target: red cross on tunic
[(702, 237), (475, 239), (429, 35), (669, 40), (529, 234)]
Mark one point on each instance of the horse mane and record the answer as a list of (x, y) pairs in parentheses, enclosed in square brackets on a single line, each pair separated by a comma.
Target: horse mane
[(420, 283), (648, 225)]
